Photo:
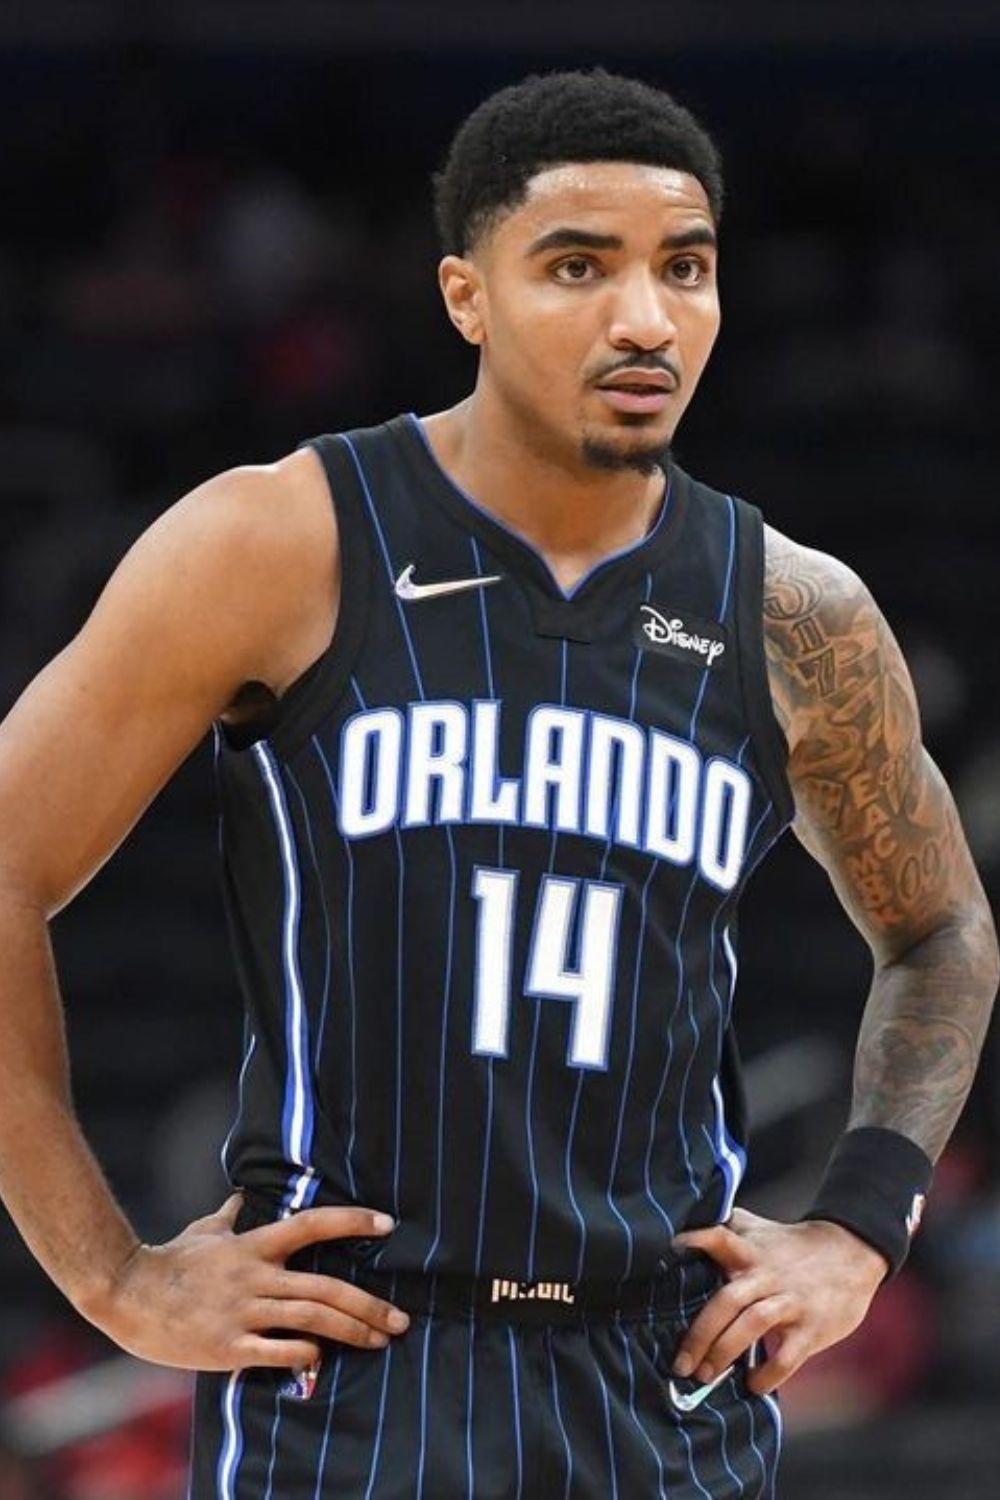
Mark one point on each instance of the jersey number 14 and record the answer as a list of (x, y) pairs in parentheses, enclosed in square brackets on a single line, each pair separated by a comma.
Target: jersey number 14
[(591, 907)]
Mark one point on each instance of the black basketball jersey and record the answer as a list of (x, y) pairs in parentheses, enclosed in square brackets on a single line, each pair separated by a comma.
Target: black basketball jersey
[(482, 880)]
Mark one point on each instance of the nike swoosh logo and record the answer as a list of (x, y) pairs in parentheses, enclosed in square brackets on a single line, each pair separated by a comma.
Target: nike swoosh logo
[(407, 589), (688, 1400)]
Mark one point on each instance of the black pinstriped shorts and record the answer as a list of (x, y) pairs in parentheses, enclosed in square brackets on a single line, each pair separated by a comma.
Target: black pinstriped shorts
[(493, 1394)]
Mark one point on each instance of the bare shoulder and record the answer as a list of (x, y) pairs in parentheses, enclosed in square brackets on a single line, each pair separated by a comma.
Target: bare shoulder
[(234, 584), (256, 548)]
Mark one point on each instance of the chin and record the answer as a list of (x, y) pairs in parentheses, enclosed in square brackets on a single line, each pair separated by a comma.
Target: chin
[(615, 456)]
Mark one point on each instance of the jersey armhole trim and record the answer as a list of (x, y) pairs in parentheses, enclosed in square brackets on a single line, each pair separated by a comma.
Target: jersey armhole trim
[(767, 735), (313, 695)]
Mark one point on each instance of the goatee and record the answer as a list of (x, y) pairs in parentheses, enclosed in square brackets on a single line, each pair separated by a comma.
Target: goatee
[(615, 460)]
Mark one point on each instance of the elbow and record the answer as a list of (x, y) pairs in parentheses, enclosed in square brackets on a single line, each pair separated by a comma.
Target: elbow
[(962, 943), (980, 935)]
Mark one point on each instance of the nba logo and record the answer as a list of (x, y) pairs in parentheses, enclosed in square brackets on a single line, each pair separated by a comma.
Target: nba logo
[(301, 1384)]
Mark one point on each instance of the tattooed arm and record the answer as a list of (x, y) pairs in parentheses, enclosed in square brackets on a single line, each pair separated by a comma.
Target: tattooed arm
[(873, 809)]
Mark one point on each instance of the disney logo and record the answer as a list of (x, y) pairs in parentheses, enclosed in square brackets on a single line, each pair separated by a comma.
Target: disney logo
[(671, 632)]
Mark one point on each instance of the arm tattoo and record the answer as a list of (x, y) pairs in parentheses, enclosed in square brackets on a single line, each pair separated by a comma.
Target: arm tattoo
[(874, 810)]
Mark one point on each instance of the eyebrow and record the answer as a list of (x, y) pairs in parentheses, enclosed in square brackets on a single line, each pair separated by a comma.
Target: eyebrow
[(568, 238)]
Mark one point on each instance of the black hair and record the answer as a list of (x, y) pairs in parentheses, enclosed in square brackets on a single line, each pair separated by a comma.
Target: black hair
[(552, 118)]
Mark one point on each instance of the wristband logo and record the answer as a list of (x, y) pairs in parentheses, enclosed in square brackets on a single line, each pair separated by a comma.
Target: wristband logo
[(916, 1214)]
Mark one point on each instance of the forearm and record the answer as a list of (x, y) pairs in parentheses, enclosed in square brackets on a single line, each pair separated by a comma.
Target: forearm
[(49, 1180), (923, 1031)]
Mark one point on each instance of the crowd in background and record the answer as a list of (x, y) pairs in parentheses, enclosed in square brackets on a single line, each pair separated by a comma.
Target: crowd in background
[(204, 260)]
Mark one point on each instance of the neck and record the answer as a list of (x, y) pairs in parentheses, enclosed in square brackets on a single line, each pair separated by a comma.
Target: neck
[(573, 514)]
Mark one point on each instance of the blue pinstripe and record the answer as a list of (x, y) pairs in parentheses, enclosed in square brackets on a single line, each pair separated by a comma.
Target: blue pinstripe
[(690, 1459), (643, 900), (752, 1436), (321, 1466), (470, 1386), (443, 1052), (377, 1447), (487, 1143), (635, 1416), (535, 1195), (269, 1490), (559, 1420), (251, 1047), (682, 1096), (424, 1358), (612, 1461), (516, 1398), (568, 1166), (352, 978)]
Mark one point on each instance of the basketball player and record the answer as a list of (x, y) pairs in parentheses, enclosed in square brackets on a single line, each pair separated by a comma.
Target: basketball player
[(508, 707)]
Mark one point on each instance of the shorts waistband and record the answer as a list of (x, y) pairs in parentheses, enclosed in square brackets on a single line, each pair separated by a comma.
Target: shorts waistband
[(665, 1296), (677, 1287)]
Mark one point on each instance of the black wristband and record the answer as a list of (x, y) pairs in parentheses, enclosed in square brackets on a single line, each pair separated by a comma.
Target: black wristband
[(876, 1184)]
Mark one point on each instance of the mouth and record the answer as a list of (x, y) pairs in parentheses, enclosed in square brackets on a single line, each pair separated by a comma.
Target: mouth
[(641, 391)]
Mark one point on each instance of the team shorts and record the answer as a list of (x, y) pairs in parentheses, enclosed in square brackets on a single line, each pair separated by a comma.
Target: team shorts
[(497, 1391)]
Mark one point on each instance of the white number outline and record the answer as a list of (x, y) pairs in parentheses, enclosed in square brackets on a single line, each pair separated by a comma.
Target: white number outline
[(589, 987)]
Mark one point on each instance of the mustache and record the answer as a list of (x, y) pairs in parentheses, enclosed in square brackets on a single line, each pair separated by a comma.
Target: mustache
[(638, 362)]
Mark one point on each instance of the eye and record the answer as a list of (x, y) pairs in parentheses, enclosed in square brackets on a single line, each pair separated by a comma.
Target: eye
[(689, 270), (576, 268)]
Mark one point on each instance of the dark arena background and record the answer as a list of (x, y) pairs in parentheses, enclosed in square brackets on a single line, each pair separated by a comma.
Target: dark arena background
[(215, 239)]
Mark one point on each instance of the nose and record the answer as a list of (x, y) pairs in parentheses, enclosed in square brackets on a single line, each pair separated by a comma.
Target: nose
[(641, 315)]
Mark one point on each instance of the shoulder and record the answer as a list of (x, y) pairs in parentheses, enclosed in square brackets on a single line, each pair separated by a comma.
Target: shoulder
[(252, 514), (246, 563), (829, 648), (800, 581)]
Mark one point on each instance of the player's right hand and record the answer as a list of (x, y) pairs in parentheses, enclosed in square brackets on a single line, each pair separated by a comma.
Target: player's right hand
[(215, 1300)]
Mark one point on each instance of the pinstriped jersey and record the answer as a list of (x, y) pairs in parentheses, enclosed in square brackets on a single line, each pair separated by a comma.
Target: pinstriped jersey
[(482, 880)]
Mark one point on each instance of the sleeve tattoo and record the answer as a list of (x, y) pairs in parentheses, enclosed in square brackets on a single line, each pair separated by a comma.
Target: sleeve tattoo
[(873, 808)]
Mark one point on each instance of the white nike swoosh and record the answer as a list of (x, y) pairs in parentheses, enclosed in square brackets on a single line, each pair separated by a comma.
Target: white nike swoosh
[(407, 589), (688, 1400)]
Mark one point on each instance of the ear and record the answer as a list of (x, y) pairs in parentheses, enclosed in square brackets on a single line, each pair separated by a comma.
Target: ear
[(464, 296)]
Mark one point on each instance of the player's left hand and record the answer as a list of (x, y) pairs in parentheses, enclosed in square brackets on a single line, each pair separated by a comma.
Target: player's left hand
[(799, 1287)]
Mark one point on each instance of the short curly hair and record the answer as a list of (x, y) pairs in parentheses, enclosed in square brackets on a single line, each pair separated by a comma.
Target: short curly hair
[(551, 118)]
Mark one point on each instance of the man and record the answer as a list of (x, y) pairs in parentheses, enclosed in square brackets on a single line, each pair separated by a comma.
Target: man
[(509, 722)]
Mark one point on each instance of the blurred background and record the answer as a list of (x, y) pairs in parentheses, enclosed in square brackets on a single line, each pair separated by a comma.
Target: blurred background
[(215, 240)]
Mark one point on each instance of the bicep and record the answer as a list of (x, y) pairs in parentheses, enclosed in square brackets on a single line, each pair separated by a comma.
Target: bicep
[(895, 854), (871, 805)]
